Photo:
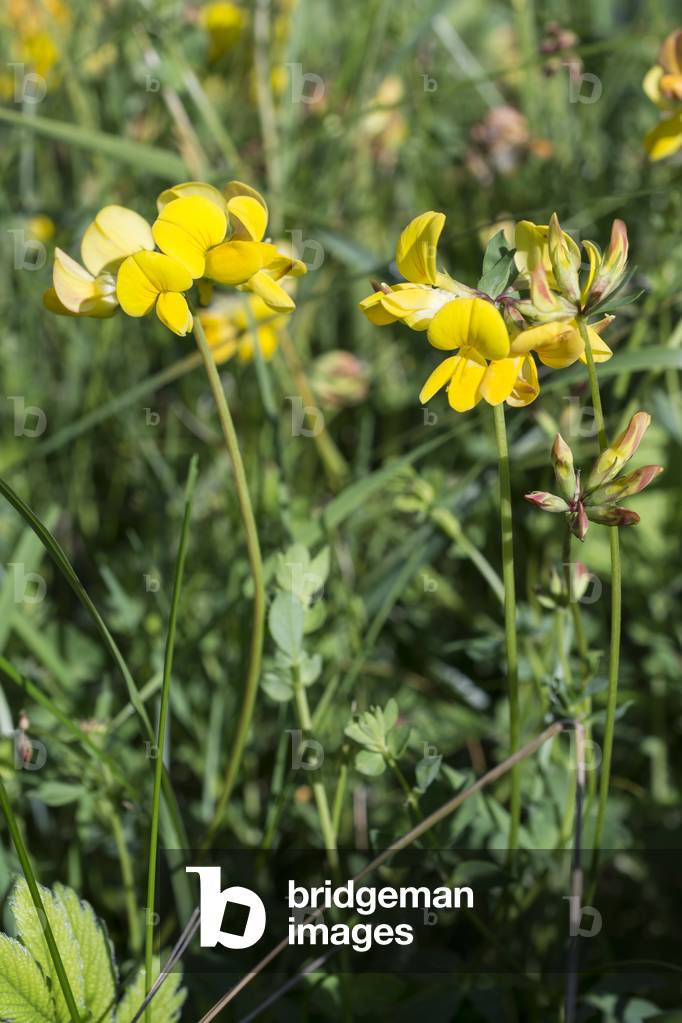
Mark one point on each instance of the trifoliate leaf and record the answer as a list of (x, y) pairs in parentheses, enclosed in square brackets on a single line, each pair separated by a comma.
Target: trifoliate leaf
[(165, 1005), (24, 994), (368, 763), (31, 933), (286, 624), (99, 969)]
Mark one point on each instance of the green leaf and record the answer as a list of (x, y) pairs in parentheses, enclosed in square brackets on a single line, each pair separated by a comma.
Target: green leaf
[(498, 266), (24, 994), (390, 715), (427, 771), (31, 933), (58, 793), (369, 763), (165, 1005), (310, 669), (96, 953), (286, 620), (277, 688)]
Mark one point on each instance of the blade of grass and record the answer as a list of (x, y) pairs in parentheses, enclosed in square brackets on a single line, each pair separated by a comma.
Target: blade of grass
[(163, 721), (27, 869), (159, 162)]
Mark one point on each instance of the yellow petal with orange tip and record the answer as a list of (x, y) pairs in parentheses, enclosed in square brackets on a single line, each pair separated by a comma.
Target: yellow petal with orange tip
[(464, 390), (416, 250), (146, 275), (234, 262), (173, 311), (500, 379), (187, 228), (248, 218), (438, 379), (665, 139), (527, 386), (473, 322), (116, 232), (191, 188), (272, 293)]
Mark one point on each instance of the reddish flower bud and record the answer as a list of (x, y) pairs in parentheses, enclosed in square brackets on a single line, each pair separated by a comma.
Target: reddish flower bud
[(612, 460), (625, 486), (613, 516), (547, 502), (578, 522), (562, 460)]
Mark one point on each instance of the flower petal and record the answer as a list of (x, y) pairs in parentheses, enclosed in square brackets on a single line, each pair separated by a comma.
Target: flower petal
[(415, 304), (527, 385), (666, 138), (146, 275), (189, 188), (439, 378), (500, 378), (79, 292), (187, 228), (473, 322), (272, 293), (116, 232), (416, 251), (464, 388), (248, 218), (173, 311), (374, 310), (234, 262)]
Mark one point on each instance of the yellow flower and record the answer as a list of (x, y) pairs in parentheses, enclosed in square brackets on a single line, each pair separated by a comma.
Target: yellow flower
[(532, 244), (663, 85), (114, 234), (224, 23), (229, 327), (151, 280)]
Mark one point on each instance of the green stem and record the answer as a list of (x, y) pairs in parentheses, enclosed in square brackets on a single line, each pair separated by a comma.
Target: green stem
[(22, 854), (507, 535), (326, 823), (128, 879), (161, 735), (614, 650), (256, 564)]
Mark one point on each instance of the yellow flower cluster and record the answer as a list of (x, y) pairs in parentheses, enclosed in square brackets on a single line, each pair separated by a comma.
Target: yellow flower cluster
[(663, 85), (200, 233), (494, 338)]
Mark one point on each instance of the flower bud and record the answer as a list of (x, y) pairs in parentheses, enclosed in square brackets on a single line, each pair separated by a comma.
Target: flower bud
[(578, 522), (625, 486), (612, 460), (565, 258), (547, 502), (609, 274), (613, 516), (340, 379), (581, 578), (562, 460)]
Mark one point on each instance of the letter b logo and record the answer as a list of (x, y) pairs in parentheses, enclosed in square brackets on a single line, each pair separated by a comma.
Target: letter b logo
[(212, 905)]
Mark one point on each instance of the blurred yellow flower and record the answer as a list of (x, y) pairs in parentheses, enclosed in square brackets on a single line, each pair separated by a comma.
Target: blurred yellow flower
[(229, 325), (35, 27), (663, 85), (224, 23)]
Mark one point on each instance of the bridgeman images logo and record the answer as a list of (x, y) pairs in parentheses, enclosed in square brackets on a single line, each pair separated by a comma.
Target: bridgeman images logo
[(361, 900), (212, 905)]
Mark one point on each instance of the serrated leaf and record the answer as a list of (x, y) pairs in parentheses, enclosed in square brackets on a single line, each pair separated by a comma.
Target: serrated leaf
[(277, 688), (372, 764), (165, 1005), (24, 994), (31, 933), (99, 969), (285, 620)]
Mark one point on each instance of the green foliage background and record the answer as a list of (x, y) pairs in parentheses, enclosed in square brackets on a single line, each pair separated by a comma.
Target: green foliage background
[(405, 613)]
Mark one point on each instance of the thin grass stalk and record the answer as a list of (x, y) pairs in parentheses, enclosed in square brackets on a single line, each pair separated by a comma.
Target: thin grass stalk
[(162, 729)]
